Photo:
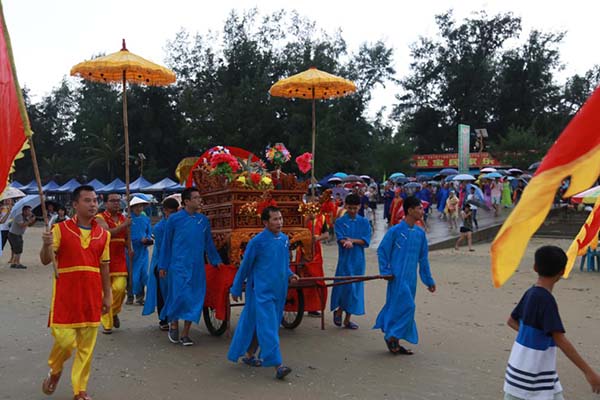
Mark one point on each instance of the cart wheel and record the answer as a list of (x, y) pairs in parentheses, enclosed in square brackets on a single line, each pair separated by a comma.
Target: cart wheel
[(215, 326), (291, 319)]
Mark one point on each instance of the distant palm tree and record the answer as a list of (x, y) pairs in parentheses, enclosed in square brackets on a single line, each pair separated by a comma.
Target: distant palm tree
[(55, 166), (105, 148)]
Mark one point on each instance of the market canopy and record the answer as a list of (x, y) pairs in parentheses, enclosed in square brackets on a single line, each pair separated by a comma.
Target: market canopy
[(30, 188), (116, 186), (139, 184), (69, 187), (16, 184), (50, 187), (165, 185), (96, 184)]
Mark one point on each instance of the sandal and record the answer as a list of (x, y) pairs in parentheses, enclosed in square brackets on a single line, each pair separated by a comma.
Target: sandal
[(252, 361), (404, 351), (282, 372), (393, 346), (337, 318), (82, 396), (50, 383), (351, 325)]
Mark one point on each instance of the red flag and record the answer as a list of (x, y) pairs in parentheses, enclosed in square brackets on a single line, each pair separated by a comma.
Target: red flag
[(576, 153), (14, 124)]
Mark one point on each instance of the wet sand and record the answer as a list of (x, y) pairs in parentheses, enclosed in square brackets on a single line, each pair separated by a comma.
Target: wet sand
[(462, 354)]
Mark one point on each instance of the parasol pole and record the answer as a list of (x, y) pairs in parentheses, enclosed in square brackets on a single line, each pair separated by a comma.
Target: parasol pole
[(314, 133), (126, 134)]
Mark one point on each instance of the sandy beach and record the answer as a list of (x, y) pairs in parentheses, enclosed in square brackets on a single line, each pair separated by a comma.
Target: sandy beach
[(462, 354)]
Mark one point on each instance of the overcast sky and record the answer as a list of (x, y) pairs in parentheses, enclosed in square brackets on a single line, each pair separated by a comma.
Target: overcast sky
[(50, 36)]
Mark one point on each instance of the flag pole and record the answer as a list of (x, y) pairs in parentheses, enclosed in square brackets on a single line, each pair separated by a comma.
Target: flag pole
[(26, 129)]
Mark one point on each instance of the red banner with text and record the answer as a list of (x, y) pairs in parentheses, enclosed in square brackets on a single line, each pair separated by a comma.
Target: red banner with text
[(440, 161)]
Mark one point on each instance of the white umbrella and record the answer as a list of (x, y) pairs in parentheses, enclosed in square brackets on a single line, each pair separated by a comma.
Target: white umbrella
[(32, 200), (464, 177), (11, 193), (488, 170)]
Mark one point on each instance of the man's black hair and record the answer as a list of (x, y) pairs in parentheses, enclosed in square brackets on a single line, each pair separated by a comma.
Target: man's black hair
[(111, 193), (352, 200), (187, 194), (26, 208), (170, 204), (410, 202), (265, 215), (82, 188), (550, 261)]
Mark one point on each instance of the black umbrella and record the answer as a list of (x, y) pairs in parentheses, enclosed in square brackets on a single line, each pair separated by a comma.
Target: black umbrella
[(352, 178), (448, 171)]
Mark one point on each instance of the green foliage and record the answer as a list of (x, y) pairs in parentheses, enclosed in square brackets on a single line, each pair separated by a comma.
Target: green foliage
[(477, 71), (473, 73), (221, 97), (521, 147)]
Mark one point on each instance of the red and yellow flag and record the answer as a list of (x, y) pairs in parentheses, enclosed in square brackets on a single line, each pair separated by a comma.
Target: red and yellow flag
[(587, 237), (14, 123), (576, 153)]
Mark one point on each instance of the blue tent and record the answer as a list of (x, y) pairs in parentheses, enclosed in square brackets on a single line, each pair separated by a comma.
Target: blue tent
[(139, 184), (50, 187), (69, 187), (116, 186), (165, 185), (30, 188), (16, 185), (96, 184)]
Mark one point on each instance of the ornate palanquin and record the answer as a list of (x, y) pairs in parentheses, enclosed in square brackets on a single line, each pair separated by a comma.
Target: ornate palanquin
[(233, 228)]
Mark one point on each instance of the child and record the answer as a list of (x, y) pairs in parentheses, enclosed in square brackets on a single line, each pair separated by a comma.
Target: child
[(467, 228), (531, 371), (471, 199), (452, 210)]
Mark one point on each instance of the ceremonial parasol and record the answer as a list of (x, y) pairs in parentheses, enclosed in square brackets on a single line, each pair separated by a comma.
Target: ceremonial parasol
[(123, 67), (311, 85)]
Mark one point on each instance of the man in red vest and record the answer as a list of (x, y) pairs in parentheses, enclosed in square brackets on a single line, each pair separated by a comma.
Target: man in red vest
[(116, 224), (81, 290)]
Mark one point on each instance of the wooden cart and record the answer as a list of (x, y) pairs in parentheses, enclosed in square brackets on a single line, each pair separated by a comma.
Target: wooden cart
[(232, 229)]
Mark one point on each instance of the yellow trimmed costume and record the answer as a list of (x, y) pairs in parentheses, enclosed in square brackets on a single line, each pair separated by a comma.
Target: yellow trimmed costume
[(118, 268), (77, 297)]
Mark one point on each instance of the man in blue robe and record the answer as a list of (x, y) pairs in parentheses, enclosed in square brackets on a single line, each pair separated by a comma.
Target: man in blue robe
[(442, 197), (402, 247), (265, 270), (186, 240), (353, 234), (157, 288), (141, 238)]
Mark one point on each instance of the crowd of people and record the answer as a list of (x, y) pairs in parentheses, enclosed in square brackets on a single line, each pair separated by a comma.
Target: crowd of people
[(101, 260)]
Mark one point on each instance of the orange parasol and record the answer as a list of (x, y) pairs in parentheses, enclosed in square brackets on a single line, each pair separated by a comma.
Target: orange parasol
[(313, 84), (124, 67)]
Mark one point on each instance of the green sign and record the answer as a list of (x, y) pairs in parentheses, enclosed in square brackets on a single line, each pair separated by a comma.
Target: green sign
[(464, 148)]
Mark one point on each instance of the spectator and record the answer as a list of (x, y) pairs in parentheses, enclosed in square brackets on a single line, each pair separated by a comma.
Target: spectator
[(4, 221), (15, 235)]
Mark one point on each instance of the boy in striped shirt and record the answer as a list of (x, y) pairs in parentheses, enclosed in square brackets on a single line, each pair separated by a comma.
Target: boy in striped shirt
[(531, 371)]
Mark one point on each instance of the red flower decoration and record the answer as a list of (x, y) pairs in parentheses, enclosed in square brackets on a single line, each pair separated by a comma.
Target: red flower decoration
[(255, 177), (264, 204), (224, 158), (304, 162)]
